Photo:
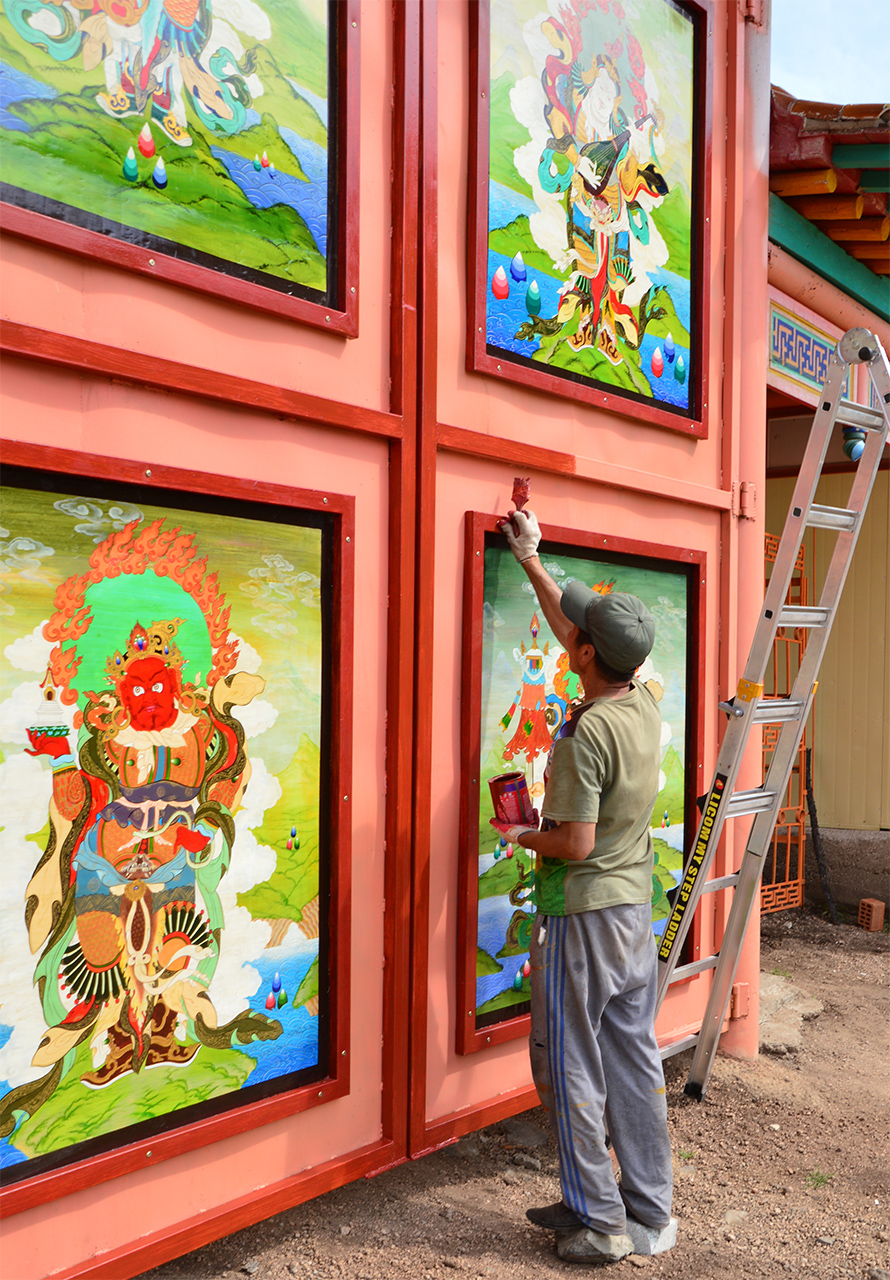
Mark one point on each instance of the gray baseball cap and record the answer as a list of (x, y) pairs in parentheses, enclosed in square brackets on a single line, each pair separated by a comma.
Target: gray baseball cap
[(621, 627)]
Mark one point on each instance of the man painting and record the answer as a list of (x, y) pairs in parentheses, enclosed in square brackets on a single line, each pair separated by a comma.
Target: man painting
[(593, 981)]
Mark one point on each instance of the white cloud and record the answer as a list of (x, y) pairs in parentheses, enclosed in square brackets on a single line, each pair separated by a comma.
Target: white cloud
[(25, 790), (263, 792), (248, 658), (257, 716), (246, 16), (31, 652), (243, 938)]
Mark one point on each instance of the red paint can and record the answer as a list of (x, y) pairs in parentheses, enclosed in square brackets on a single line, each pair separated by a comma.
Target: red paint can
[(511, 800)]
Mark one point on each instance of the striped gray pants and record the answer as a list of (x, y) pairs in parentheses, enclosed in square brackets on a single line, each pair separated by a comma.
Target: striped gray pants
[(596, 1063)]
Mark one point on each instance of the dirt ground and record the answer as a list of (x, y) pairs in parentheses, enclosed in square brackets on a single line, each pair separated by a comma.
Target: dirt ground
[(781, 1170)]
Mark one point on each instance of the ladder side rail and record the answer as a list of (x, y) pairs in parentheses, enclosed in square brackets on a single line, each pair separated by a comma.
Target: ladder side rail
[(785, 751), (860, 493), (795, 525), (743, 901), (879, 373), (744, 896), (779, 772), (710, 828), (804, 687), (736, 736)]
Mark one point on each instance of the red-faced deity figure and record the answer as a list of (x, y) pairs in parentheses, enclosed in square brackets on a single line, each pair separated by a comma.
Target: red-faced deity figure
[(149, 690)]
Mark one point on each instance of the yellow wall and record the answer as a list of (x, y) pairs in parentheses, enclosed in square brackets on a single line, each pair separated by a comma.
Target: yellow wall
[(851, 744)]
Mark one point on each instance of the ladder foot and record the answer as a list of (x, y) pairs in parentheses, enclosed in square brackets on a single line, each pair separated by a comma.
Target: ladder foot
[(694, 1090)]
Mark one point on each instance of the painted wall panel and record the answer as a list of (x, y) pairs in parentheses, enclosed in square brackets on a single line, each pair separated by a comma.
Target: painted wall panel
[(70, 411), (454, 1081), (72, 295), (471, 400)]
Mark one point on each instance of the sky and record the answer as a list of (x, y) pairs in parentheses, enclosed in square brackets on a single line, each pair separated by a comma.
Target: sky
[(832, 50)]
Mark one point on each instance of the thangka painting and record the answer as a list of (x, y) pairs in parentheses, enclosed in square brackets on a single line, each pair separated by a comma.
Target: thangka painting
[(162, 697), (527, 691), (203, 129), (588, 119)]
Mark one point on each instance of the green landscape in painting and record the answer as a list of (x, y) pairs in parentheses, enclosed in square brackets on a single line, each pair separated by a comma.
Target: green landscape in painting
[(527, 692), (161, 944), (591, 192), (240, 179)]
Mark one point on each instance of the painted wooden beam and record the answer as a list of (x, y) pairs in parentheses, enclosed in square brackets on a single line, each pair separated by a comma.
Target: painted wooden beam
[(858, 230), (870, 252), (85, 356), (829, 208), (807, 243), (804, 182), (861, 155)]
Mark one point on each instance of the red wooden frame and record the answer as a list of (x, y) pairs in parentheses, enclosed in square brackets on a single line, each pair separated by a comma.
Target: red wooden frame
[(479, 359), (137, 1155), (469, 1038), (340, 317)]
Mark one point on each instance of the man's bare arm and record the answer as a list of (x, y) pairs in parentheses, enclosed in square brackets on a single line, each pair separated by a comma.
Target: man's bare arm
[(572, 841)]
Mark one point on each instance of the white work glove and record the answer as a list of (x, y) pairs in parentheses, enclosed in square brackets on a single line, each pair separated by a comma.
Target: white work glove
[(512, 833), (522, 531)]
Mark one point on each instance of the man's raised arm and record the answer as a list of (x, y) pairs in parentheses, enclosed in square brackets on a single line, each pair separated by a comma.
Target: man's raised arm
[(522, 531)]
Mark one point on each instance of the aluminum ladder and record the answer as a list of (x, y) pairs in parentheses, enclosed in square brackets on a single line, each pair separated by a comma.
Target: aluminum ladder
[(749, 707)]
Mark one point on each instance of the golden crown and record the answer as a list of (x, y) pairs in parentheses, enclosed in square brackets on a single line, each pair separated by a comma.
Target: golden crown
[(155, 642)]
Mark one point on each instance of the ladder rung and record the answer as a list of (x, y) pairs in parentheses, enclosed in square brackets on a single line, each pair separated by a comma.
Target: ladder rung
[(795, 615), (677, 1046), (831, 518), (859, 415), (722, 882), (756, 801), (777, 710), (697, 966)]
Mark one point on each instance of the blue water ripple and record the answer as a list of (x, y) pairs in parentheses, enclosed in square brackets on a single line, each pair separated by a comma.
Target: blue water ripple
[(17, 86), (297, 1046), (494, 916), (264, 188), (505, 317), (506, 205)]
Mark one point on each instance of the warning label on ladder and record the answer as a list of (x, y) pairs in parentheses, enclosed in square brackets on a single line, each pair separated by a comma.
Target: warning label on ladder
[(706, 830)]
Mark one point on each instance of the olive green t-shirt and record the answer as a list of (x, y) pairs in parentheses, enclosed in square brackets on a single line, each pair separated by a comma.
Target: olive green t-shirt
[(603, 768)]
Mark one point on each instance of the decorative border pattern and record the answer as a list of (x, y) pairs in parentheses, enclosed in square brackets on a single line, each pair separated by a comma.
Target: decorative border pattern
[(801, 352)]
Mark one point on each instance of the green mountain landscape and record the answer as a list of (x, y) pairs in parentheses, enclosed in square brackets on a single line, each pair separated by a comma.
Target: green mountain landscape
[(294, 883), (72, 151)]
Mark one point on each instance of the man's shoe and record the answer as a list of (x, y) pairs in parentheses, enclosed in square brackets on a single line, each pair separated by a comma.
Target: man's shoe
[(591, 1248), (652, 1240), (555, 1217)]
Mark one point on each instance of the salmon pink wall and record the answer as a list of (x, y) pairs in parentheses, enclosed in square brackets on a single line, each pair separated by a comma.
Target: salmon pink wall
[(66, 410)]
